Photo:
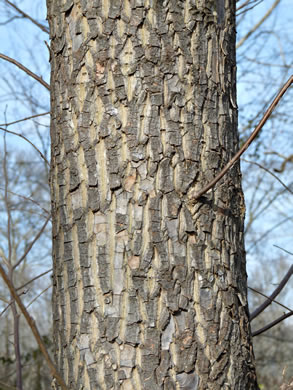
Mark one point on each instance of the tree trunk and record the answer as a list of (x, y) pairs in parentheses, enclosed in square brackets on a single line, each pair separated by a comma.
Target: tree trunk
[(149, 289)]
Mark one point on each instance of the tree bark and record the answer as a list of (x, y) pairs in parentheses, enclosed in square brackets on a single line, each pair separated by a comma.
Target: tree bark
[(149, 290)]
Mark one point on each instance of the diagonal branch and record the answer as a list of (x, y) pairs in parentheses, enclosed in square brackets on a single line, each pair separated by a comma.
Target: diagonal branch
[(32, 243), (270, 172), (270, 299), (246, 144), (258, 24), (34, 329), (25, 15), (25, 119), (26, 70), (271, 324), (26, 139), (273, 295)]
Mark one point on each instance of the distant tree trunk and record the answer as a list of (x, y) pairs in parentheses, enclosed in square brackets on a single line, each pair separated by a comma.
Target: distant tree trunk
[(149, 290)]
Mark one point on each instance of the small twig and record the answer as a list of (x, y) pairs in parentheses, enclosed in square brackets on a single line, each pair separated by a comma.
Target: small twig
[(7, 387), (43, 28), (253, 4), (25, 119), (17, 345), (27, 140), (34, 329), (271, 324), (271, 300), (31, 244), (26, 70), (247, 143), (282, 249), (259, 23), (9, 304), (277, 291), (28, 199), (41, 293), (270, 172), (35, 278)]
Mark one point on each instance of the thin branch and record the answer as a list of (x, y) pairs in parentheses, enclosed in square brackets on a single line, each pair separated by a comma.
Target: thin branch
[(282, 249), (248, 2), (16, 344), (28, 199), (7, 202), (7, 387), (34, 329), (270, 172), (27, 140), (25, 119), (35, 278), (243, 5), (271, 324), (268, 298), (26, 70), (277, 291), (41, 293), (246, 144), (258, 24), (43, 28), (31, 244), (9, 304)]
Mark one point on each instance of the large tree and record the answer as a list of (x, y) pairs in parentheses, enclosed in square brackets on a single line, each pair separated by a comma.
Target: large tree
[(149, 286)]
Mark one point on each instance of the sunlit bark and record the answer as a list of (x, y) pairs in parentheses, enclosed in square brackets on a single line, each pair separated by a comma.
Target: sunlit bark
[(149, 291)]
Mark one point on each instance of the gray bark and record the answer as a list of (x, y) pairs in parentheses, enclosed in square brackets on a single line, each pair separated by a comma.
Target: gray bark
[(149, 290)]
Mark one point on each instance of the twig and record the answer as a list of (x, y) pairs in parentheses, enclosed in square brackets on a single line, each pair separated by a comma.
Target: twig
[(247, 143), (271, 324), (16, 345), (32, 243), (271, 300), (34, 329), (27, 140), (26, 70), (273, 295), (28, 199), (41, 293), (282, 249), (270, 172), (25, 119), (259, 23), (7, 387), (35, 278), (43, 28)]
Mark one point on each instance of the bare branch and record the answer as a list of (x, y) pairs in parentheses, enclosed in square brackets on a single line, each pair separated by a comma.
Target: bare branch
[(41, 293), (270, 172), (246, 144), (25, 119), (269, 300), (26, 139), (271, 324), (282, 249), (34, 329), (32, 243), (23, 14), (35, 278), (259, 23), (16, 345), (28, 199), (7, 387), (26, 70)]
